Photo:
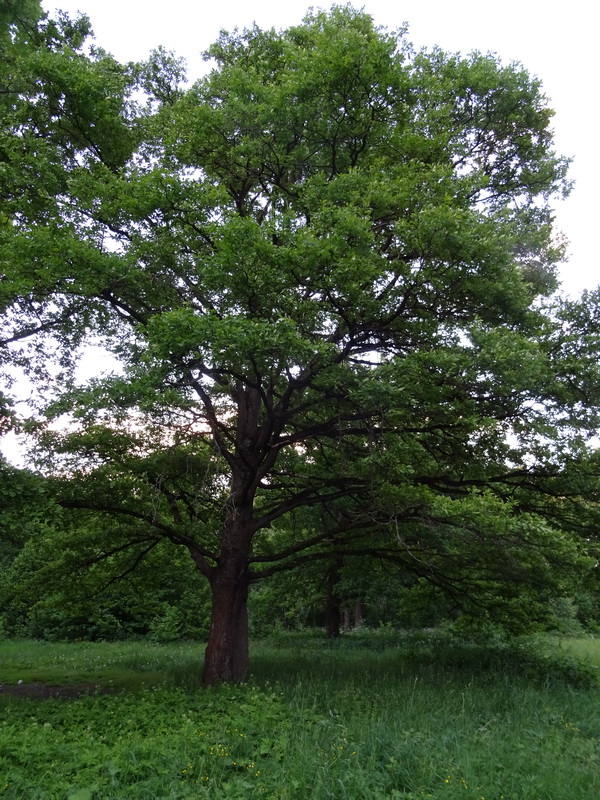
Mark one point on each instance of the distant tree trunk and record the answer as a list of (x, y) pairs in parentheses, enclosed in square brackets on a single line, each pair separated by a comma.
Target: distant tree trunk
[(333, 614), (358, 618), (346, 615)]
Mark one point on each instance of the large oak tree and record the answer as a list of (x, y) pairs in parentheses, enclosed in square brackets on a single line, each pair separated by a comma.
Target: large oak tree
[(322, 269)]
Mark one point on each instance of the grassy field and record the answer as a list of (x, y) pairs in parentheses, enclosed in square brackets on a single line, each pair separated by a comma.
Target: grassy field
[(373, 717)]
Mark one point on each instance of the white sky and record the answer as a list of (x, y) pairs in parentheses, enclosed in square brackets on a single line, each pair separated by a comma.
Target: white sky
[(557, 43)]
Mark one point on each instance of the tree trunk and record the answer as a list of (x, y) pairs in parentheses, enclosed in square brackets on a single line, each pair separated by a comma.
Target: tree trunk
[(226, 657), (346, 620), (333, 614), (358, 617)]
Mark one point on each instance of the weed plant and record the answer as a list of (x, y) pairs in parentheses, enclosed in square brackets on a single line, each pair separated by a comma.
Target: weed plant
[(421, 716)]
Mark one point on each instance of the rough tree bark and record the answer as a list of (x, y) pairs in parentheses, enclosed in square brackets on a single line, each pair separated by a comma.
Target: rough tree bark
[(226, 657)]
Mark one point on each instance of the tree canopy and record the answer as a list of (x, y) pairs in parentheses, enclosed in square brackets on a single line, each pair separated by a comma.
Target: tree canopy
[(326, 272)]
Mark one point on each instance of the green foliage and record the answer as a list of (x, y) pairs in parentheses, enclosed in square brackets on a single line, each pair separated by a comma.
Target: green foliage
[(167, 627), (115, 589), (326, 271)]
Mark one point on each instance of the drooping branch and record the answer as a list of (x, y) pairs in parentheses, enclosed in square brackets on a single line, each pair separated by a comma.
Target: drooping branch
[(171, 533)]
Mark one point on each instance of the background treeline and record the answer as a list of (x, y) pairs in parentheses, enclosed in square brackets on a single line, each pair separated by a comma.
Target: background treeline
[(57, 583)]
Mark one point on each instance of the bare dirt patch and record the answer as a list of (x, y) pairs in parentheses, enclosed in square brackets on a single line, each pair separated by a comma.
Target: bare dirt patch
[(44, 691)]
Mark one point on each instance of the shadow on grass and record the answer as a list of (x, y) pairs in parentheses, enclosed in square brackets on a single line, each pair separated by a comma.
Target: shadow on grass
[(364, 660), (370, 659)]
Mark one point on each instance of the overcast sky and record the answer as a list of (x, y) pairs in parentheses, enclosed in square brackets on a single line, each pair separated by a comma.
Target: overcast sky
[(557, 44)]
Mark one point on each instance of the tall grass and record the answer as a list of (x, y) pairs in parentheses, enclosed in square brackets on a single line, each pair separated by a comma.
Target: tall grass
[(374, 717), (587, 650)]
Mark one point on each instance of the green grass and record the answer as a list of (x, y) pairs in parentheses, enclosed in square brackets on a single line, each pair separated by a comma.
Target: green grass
[(587, 650), (115, 664), (368, 718)]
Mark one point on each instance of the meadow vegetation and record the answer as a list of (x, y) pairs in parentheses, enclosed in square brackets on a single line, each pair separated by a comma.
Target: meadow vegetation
[(373, 715)]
